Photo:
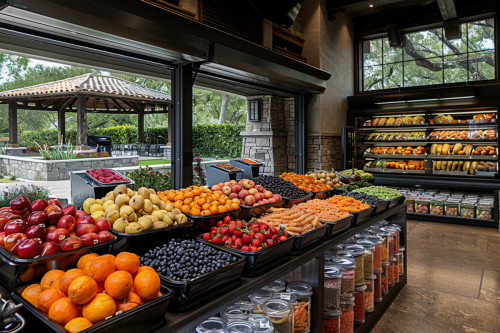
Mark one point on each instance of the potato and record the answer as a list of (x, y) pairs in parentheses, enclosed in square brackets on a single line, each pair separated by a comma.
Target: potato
[(146, 223), (133, 228), (181, 218), (168, 207), (168, 220), (176, 211), (160, 225), (120, 224)]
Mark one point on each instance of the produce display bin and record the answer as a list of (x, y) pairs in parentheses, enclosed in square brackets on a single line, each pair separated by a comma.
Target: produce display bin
[(128, 180), (144, 318), (322, 195), (83, 186), (189, 294), (216, 175), (380, 208), (396, 201), (131, 242), (199, 221), (248, 212), (302, 242), (359, 217), (16, 272), (259, 261), (290, 202), (250, 171), (337, 227)]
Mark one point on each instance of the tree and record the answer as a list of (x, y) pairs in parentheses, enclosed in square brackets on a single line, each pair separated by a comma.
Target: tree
[(223, 108)]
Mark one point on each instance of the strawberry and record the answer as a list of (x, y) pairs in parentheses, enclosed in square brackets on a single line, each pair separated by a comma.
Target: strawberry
[(245, 248), (273, 230), (224, 238), (207, 236), (233, 237), (281, 238), (264, 226), (229, 242), (246, 239), (268, 234), (239, 223), (286, 234), (256, 242), (252, 234), (253, 248), (238, 233), (260, 236), (219, 223), (275, 238), (232, 228), (223, 230), (238, 242), (269, 242), (213, 229), (227, 218), (216, 240)]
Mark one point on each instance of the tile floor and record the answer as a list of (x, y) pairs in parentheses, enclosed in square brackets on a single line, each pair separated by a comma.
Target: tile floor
[(453, 282)]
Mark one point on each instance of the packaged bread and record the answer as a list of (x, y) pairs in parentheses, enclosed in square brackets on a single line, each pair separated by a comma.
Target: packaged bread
[(390, 121), (381, 121), (375, 121), (399, 121), (407, 121), (418, 120)]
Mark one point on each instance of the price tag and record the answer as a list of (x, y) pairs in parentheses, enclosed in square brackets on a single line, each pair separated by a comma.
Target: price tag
[(264, 324), (286, 296)]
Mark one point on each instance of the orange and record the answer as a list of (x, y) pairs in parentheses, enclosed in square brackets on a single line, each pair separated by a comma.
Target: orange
[(222, 209), (171, 196), (147, 285), (48, 297), (127, 261), (100, 287), (185, 209), (100, 268), (187, 201), (68, 277), (118, 284), (98, 309), (51, 279), (189, 195), (62, 311), (179, 197), (197, 191), (205, 213), (82, 290), (144, 268), (214, 209), (195, 211), (229, 206), (201, 201), (204, 195), (84, 259), (128, 303), (77, 324), (178, 204), (222, 200), (32, 294), (206, 206), (236, 200), (235, 206), (110, 256)]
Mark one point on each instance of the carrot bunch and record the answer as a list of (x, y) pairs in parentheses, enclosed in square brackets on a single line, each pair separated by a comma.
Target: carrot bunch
[(305, 182), (324, 210), (348, 204)]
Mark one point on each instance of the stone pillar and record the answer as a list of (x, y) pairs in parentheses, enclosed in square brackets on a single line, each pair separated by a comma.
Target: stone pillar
[(13, 123), (81, 119)]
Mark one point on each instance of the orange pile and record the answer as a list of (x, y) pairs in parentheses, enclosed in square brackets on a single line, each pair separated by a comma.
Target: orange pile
[(98, 289), (348, 204), (305, 182), (199, 201)]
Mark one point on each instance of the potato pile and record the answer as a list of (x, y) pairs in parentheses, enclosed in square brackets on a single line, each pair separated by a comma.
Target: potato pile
[(134, 211), (326, 177)]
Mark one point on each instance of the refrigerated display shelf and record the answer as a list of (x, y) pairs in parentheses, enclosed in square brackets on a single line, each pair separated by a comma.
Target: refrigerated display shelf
[(453, 220), (412, 128), (406, 157), (463, 157)]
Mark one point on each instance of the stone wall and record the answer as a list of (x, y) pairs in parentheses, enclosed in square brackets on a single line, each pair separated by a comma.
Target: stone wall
[(323, 152), (38, 169)]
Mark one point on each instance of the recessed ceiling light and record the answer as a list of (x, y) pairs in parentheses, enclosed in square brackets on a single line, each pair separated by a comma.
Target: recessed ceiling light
[(370, 5)]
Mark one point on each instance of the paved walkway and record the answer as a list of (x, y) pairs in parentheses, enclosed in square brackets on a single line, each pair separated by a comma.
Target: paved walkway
[(60, 189)]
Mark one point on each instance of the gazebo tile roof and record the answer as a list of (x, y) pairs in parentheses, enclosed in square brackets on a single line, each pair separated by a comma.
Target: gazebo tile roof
[(91, 83)]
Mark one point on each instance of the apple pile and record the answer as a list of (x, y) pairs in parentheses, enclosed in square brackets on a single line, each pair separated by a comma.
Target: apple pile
[(248, 193), (42, 228), (106, 176)]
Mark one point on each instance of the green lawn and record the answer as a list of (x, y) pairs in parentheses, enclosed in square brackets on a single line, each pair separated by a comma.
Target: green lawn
[(8, 180), (153, 162)]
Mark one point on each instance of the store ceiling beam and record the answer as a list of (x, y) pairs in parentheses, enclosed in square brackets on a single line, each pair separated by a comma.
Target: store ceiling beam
[(447, 9)]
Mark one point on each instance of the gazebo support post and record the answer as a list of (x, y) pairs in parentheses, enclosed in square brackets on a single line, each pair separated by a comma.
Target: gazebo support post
[(81, 119), (140, 125), (61, 126), (13, 123), (169, 115)]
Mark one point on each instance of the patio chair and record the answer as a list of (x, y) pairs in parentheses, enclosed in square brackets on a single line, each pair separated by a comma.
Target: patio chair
[(116, 149), (142, 150), (153, 150)]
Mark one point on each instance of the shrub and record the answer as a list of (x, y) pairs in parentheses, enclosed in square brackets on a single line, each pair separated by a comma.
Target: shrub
[(145, 177), (32, 192)]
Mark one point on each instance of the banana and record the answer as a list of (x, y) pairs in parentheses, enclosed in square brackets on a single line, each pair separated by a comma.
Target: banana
[(454, 166), (473, 167), (466, 166), (433, 148), (443, 165), (458, 147), (460, 165), (438, 165), (468, 149)]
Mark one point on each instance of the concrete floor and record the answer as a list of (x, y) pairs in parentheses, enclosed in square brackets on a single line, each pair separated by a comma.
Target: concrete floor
[(453, 282)]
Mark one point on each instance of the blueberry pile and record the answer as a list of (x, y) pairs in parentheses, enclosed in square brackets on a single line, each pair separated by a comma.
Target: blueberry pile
[(184, 260), (365, 198), (283, 187)]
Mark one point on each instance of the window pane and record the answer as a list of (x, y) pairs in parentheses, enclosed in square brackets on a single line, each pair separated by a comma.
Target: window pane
[(423, 72), (456, 46), (372, 52), (481, 66), (481, 35), (393, 75), (391, 54), (372, 78), (423, 44), (455, 69)]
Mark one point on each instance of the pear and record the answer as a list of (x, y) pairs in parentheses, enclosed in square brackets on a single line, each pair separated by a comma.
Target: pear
[(107, 203), (162, 205), (120, 189), (181, 218), (144, 192), (133, 228), (176, 211), (160, 225), (168, 207), (137, 202), (120, 224), (97, 215), (112, 216), (111, 208), (131, 193), (146, 223), (128, 213), (158, 213), (99, 201), (109, 196), (155, 199), (148, 206), (122, 200), (96, 208), (168, 220), (86, 205), (155, 218)]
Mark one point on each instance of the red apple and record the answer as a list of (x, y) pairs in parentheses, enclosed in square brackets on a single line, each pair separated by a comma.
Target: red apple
[(3, 222), (38, 205), (253, 191), (249, 200), (233, 196), (2, 238), (55, 202), (14, 226), (87, 219), (57, 235), (102, 224), (49, 248), (266, 201), (272, 200), (20, 205), (260, 202), (277, 197), (259, 188), (90, 239), (51, 227), (67, 222), (259, 196), (226, 190), (241, 202), (37, 231), (37, 217), (79, 213), (69, 210), (236, 188), (29, 248), (243, 194), (105, 236), (54, 213), (85, 228), (268, 194), (72, 243), (216, 187), (247, 184), (11, 240)]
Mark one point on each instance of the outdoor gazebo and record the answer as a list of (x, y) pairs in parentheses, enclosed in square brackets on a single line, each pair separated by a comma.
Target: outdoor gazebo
[(83, 94)]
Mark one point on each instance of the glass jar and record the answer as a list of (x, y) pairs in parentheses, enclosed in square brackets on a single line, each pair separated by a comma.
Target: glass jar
[(260, 297), (301, 320), (395, 270), (212, 325), (359, 304), (235, 313), (277, 286), (253, 307), (240, 326), (287, 297), (390, 273), (390, 234), (331, 321), (347, 316), (397, 231), (332, 283), (370, 294), (377, 252), (385, 278), (261, 323), (280, 315), (368, 258), (377, 287), (385, 245), (358, 253), (401, 266), (347, 268)]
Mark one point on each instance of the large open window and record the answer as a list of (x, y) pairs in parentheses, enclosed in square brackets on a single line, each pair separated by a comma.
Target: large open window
[(429, 58)]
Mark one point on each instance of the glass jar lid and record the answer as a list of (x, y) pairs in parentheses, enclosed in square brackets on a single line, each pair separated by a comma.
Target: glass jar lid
[(358, 289), (373, 277), (247, 304), (235, 313), (261, 323), (287, 297), (212, 325), (300, 289), (346, 301), (375, 239), (356, 250), (262, 295), (240, 326), (276, 308), (276, 285), (368, 245), (346, 263), (333, 314), (332, 272)]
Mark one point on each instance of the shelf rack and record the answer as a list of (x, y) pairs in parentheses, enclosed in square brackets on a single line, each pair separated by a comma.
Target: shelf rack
[(309, 264)]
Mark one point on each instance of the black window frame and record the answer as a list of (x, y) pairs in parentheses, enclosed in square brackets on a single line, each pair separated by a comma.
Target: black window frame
[(254, 115)]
